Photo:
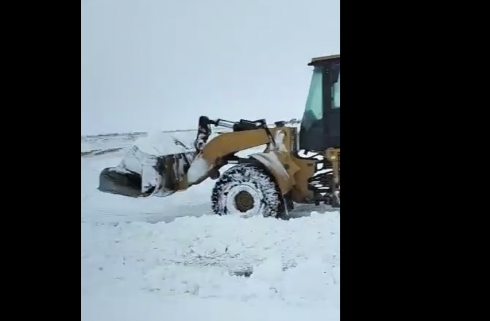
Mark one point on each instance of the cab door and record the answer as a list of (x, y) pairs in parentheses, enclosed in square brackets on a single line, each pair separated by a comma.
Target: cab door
[(331, 104)]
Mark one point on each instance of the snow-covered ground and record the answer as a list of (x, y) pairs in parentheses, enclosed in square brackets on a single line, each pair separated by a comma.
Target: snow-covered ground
[(171, 259)]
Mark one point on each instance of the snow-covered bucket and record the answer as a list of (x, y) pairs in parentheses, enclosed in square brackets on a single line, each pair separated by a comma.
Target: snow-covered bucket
[(152, 167)]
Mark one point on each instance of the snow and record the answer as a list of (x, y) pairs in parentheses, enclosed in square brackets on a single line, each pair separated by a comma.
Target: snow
[(115, 141), (150, 307), (163, 143), (199, 168), (271, 161), (171, 259), (279, 140), (149, 176)]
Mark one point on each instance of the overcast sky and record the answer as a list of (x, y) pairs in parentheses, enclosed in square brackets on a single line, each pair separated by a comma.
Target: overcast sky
[(160, 64)]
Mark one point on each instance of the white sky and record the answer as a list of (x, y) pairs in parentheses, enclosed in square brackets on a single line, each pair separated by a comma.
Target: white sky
[(160, 64)]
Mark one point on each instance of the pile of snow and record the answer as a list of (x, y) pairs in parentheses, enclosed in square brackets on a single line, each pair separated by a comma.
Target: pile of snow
[(171, 259), (295, 263)]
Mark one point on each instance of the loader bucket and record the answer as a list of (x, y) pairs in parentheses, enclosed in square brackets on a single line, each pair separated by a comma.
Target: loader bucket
[(146, 170), (117, 182)]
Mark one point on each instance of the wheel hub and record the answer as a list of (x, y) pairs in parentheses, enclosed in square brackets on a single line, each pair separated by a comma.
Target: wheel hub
[(244, 201)]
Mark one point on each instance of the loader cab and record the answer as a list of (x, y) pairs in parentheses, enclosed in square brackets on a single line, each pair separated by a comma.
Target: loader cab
[(320, 125)]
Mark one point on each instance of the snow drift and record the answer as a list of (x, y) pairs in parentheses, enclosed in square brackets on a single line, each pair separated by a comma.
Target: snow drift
[(171, 259)]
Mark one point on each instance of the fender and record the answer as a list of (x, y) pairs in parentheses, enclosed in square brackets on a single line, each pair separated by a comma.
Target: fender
[(283, 174)]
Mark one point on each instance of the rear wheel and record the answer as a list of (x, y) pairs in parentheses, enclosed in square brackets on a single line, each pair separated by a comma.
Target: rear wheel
[(246, 190)]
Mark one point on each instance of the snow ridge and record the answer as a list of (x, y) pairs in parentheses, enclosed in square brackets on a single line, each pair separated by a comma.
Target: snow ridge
[(296, 261)]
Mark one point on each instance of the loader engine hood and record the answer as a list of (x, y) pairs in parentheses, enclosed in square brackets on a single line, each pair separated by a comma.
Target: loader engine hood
[(150, 166)]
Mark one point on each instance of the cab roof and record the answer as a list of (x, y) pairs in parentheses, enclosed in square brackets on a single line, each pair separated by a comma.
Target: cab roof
[(322, 60)]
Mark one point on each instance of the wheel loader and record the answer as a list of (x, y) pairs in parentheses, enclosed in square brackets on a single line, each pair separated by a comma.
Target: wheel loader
[(297, 165)]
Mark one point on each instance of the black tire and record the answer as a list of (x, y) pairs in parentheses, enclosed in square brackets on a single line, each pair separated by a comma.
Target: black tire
[(253, 180)]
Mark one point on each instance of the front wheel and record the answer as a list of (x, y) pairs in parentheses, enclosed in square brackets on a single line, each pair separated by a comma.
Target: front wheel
[(246, 190)]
